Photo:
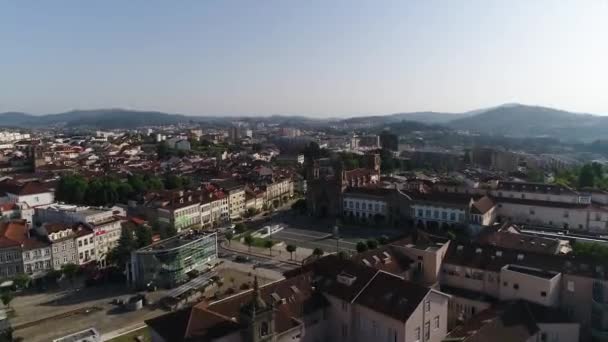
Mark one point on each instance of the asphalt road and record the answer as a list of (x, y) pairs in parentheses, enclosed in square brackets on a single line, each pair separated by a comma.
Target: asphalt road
[(271, 264)]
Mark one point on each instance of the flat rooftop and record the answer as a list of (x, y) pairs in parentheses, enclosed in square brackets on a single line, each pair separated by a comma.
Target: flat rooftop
[(176, 241), (532, 271)]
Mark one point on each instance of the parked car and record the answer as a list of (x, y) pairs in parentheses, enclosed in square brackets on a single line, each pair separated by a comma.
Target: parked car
[(242, 258)]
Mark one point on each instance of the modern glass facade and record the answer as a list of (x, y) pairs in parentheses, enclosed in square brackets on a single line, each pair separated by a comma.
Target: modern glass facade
[(167, 262)]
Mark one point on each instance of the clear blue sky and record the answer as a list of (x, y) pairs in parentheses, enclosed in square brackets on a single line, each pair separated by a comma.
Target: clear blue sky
[(314, 57)]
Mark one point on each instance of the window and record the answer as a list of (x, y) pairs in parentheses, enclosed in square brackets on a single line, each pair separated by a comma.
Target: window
[(531, 211), (264, 329), (523, 196), (566, 214), (91, 239), (444, 215), (420, 213), (374, 328), (516, 286), (417, 334), (344, 306), (543, 337), (357, 205), (570, 286), (436, 214), (369, 206), (504, 283), (452, 216), (80, 255), (428, 213), (427, 305), (344, 330), (436, 322), (543, 294), (427, 331)]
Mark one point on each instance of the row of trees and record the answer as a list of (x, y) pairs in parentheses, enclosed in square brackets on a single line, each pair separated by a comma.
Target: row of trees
[(370, 244), (592, 175), (109, 190)]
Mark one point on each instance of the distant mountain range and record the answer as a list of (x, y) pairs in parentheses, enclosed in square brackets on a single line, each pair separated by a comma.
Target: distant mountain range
[(514, 120)]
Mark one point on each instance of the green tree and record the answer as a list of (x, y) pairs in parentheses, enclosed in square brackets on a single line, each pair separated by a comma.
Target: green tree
[(361, 247), (383, 240), (125, 192), (342, 255), (596, 251), (268, 244), (387, 161), (70, 270), (598, 170), (122, 252), (138, 184), (251, 212), (228, 235), (249, 241), (173, 182), (240, 228), (143, 236), (586, 177), (318, 252), (52, 276), (162, 150), (154, 183), (7, 297), (291, 249), (372, 244), (22, 281), (72, 189)]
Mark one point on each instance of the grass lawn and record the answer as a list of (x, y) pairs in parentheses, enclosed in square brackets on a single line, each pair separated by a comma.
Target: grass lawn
[(130, 337), (259, 242)]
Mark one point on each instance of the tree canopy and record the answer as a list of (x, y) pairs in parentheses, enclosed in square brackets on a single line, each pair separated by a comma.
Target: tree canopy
[(109, 190)]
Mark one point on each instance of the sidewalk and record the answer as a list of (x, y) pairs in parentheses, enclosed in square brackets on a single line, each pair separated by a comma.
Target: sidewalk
[(278, 253)]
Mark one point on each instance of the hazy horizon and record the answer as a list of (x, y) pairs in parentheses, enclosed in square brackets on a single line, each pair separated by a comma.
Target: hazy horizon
[(337, 116), (314, 59)]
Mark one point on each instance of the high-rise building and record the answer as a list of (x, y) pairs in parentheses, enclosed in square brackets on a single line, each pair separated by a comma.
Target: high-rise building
[(234, 134)]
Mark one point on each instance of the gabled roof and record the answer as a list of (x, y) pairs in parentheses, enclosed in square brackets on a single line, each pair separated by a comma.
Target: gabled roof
[(23, 189), (204, 322), (392, 296), (511, 322)]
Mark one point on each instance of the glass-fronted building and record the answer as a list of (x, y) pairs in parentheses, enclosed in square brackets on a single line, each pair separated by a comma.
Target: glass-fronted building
[(166, 263)]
